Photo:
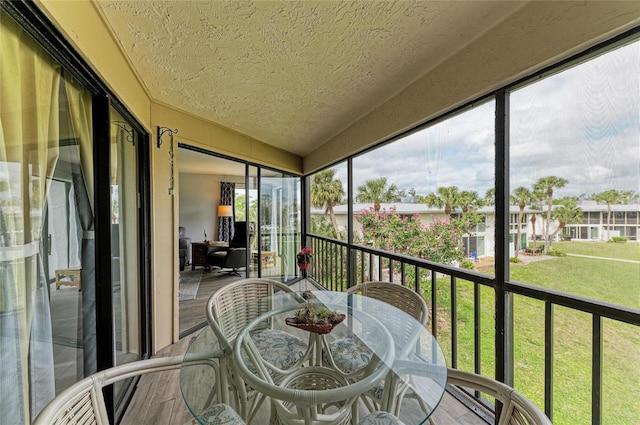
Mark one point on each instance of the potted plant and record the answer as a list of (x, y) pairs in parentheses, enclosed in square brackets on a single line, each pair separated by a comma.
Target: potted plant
[(315, 318), (304, 257)]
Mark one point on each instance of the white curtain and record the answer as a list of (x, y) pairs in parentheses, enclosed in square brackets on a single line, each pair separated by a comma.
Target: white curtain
[(29, 121)]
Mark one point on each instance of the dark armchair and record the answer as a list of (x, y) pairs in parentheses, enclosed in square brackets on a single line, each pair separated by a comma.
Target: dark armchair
[(184, 247), (239, 239), (233, 258)]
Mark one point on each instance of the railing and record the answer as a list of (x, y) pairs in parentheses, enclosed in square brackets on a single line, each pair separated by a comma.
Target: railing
[(338, 266)]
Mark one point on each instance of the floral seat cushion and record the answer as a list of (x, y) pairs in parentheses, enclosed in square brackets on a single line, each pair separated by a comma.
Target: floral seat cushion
[(277, 347), (351, 354)]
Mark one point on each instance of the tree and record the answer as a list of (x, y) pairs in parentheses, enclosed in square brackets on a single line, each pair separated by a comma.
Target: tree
[(521, 197), (469, 200), (546, 185), (321, 225), (377, 191), (611, 197), (448, 197), (537, 198), (241, 203), (490, 197), (327, 192), (567, 213)]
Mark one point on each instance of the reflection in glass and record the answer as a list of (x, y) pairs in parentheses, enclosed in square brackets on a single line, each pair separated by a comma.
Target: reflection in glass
[(47, 297), (125, 283), (280, 219)]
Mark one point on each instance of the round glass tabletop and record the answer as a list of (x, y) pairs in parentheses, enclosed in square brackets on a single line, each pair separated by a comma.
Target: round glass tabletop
[(377, 355)]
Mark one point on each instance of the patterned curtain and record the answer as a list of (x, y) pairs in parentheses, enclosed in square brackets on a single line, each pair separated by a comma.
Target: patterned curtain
[(225, 225)]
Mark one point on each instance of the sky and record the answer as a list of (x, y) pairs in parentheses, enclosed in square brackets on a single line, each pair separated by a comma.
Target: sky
[(582, 124)]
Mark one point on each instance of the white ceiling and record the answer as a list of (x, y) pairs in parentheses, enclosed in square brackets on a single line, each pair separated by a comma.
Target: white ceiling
[(292, 74)]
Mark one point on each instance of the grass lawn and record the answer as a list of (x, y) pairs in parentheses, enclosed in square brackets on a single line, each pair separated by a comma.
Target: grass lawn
[(625, 251), (611, 281)]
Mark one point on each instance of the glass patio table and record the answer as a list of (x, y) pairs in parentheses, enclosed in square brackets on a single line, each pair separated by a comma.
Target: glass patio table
[(405, 373)]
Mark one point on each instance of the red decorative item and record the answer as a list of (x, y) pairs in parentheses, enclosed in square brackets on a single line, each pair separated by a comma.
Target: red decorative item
[(303, 258)]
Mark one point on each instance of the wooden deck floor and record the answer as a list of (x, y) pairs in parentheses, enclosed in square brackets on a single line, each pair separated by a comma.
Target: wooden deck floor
[(158, 400)]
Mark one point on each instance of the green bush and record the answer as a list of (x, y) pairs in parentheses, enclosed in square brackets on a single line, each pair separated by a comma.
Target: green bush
[(619, 239), (466, 264), (515, 260), (555, 252)]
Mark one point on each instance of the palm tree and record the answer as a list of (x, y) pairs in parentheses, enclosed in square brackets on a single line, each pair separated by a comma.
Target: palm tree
[(567, 213), (448, 197), (469, 200), (521, 196), (611, 197), (490, 196), (326, 192), (547, 184), (537, 197), (627, 196), (377, 191)]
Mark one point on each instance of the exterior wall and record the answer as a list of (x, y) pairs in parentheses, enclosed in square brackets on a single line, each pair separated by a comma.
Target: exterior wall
[(591, 230)]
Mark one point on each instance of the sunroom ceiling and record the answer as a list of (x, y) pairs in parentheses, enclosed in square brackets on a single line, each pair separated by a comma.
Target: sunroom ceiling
[(292, 74)]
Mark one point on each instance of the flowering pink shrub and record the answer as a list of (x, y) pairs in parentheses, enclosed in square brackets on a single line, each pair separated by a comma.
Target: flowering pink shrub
[(439, 241)]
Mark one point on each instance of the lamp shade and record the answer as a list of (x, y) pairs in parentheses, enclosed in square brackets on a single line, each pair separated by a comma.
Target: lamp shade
[(225, 211)]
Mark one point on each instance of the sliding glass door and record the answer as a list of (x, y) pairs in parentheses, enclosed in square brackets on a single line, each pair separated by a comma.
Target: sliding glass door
[(279, 224), (125, 260)]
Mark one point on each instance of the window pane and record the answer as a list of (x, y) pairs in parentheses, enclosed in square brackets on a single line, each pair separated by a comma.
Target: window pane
[(125, 283), (574, 151), (47, 325), (425, 195), (279, 224), (329, 203)]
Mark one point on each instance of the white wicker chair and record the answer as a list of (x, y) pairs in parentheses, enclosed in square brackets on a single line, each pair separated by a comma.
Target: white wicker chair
[(229, 310), (516, 410), (404, 299), (83, 402)]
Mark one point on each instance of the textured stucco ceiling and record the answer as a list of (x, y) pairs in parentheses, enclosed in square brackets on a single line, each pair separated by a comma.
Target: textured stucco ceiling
[(291, 74)]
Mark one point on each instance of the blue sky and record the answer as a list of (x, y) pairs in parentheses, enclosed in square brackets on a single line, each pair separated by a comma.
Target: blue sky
[(582, 124)]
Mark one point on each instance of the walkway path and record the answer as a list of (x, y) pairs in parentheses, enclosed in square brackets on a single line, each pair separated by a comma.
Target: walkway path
[(604, 258)]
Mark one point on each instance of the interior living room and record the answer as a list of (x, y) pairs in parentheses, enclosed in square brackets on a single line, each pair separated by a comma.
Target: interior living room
[(214, 195), (99, 101)]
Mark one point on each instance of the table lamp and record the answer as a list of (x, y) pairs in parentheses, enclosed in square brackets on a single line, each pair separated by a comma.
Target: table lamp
[(225, 211)]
